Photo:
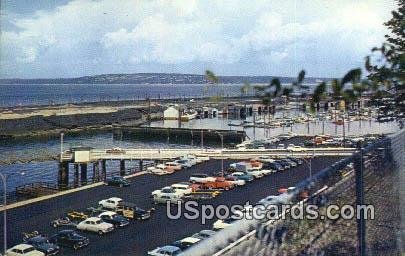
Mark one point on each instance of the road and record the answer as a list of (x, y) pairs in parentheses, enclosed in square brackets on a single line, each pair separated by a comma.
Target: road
[(139, 237)]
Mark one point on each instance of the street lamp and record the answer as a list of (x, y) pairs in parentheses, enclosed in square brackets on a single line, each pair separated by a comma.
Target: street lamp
[(4, 181), (61, 145), (222, 151)]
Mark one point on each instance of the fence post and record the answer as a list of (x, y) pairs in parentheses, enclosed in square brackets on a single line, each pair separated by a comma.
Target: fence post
[(361, 224)]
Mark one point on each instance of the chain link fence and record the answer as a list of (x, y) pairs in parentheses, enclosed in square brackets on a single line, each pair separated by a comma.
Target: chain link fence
[(372, 178)]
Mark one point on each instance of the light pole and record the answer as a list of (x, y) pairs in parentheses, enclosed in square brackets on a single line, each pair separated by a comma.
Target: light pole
[(222, 151), (4, 181), (309, 163), (61, 145)]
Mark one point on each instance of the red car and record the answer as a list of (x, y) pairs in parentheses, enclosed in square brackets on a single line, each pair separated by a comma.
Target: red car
[(219, 183)]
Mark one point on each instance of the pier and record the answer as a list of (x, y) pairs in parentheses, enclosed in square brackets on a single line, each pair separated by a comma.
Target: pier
[(80, 158)]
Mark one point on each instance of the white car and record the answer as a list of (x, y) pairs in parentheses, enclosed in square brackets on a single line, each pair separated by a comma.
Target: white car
[(257, 173), (164, 191), (294, 148), (167, 250), (201, 178), (235, 181), (95, 224), (182, 189), (185, 163), (160, 169), (221, 224), (201, 159), (110, 203), (266, 171), (265, 159), (164, 198), (268, 199), (187, 242), (23, 250)]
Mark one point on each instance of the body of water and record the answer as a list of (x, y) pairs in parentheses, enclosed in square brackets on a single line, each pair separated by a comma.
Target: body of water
[(44, 94), (47, 171)]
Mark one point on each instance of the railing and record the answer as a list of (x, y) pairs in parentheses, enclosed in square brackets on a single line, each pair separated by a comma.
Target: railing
[(368, 176)]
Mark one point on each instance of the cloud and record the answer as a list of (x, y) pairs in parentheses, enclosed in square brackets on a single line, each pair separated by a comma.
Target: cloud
[(138, 35)]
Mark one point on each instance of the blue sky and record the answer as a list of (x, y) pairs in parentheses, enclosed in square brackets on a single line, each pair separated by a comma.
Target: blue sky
[(42, 38)]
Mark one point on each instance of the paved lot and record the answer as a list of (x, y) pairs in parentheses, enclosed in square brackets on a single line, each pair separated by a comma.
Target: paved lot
[(140, 237)]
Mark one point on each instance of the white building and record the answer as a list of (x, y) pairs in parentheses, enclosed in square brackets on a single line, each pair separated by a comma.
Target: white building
[(171, 113)]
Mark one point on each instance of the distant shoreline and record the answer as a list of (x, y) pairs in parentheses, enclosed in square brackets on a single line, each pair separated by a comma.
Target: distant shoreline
[(153, 78)]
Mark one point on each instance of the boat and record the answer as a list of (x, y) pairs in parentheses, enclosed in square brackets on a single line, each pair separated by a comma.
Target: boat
[(187, 116)]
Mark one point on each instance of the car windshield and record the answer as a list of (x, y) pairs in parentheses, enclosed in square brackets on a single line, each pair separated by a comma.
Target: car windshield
[(97, 222), (167, 190), (30, 249)]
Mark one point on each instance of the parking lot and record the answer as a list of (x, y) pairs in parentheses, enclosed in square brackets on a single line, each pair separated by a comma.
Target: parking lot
[(141, 236)]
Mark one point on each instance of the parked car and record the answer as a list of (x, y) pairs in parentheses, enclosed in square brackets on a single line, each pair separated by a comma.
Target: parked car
[(201, 178), (42, 244), (283, 163), (297, 160), (63, 221), (118, 181), (204, 234), (132, 211), (182, 189), (69, 238), (221, 224), (280, 146), (159, 169), (185, 163), (95, 224), (23, 250), (110, 203), (202, 159), (218, 183), (243, 176), (257, 173), (114, 218), (294, 148), (290, 162), (267, 200), (235, 180), (162, 199), (274, 166), (265, 159), (174, 166), (185, 243), (165, 191), (167, 250), (192, 159)]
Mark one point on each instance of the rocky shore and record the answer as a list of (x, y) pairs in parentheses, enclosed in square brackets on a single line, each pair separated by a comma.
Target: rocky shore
[(50, 121)]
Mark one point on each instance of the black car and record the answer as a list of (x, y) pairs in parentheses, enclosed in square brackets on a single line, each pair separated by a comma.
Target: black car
[(118, 181), (296, 160), (42, 244), (69, 238), (273, 166), (132, 211), (284, 163), (114, 218)]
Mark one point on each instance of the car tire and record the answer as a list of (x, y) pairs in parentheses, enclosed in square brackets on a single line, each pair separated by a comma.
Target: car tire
[(55, 225), (75, 246), (100, 232), (226, 188)]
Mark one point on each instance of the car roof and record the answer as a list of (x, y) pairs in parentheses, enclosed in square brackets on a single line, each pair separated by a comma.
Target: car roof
[(191, 240), (115, 199), (207, 231), (22, 246), (169, 248), (109, 213), (93, 219), (180, 185)]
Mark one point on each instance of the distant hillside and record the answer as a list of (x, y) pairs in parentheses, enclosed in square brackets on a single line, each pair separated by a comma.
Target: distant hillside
[(151, 78)]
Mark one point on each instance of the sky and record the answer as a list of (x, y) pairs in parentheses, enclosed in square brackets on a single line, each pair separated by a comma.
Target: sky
[(73, 38)]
